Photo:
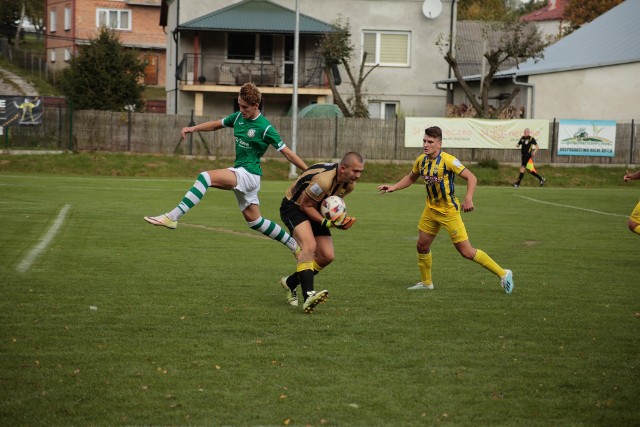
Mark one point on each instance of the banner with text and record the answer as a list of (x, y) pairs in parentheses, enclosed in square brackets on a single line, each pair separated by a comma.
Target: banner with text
[(20, 110), (476, 133), (587, 138)]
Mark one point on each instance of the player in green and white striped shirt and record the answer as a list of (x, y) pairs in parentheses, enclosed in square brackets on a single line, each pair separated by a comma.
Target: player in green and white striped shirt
[(253, 135)]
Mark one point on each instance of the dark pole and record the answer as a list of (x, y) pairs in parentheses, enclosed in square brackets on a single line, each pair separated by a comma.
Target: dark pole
[(129, 129), (553, 139)]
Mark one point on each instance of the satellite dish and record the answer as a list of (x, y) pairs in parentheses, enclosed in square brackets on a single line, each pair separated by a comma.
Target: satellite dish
[(432, 8)]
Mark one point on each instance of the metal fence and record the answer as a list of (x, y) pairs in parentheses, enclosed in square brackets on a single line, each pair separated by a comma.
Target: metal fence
[(33, 63), (318, 138)]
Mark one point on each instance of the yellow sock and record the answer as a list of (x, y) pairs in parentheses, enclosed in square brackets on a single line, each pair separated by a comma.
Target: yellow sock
[(424, 264), (302, 266), (637, 230), (485, 260), (316, 267)]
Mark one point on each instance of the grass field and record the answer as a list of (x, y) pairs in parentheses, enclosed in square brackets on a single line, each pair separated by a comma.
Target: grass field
[(109, 321)]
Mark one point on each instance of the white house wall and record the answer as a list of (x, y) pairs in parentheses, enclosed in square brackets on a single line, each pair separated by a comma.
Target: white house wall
[(605, 93), (411, 86)]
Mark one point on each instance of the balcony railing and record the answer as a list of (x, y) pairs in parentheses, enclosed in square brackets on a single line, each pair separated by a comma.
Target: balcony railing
[(203, 69)]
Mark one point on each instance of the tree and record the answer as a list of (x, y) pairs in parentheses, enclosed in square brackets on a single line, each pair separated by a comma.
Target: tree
[(481, 10), (336, 48), (104, 76), (34, 11), (580, 12), (516, 40), (9, 16)]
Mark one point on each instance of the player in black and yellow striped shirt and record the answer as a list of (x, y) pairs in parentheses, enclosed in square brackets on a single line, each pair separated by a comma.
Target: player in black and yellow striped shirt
[(438, 170)]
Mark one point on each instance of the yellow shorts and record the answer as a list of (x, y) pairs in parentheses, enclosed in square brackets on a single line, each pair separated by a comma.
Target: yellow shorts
[(449, 218), (635, 215)]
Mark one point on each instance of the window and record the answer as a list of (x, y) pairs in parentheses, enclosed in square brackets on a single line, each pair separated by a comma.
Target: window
[(383, 110), (389, 110), (251, 46), (116, 19), (67, 18), (67, 55), (52, 55), (386, 48), (52, 21)]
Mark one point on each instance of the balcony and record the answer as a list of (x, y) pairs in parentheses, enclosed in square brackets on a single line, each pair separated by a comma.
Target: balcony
[(202, 72)]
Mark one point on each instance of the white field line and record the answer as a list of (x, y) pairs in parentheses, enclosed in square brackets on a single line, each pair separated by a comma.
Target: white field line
[(25, 264), (571, 207)]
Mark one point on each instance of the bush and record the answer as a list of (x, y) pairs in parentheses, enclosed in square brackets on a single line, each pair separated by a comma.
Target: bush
[(489, 164)]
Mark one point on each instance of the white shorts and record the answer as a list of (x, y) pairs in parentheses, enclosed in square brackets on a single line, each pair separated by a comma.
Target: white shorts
[(246, 190)]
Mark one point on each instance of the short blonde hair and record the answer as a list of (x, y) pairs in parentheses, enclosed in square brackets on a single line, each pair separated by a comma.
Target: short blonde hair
[(250, 94)]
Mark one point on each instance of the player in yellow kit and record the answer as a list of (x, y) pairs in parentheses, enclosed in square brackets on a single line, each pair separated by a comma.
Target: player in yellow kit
[(634, 219), (438, 170)]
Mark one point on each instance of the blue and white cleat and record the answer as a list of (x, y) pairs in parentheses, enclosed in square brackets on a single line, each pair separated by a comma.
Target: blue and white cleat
[(507, 282)]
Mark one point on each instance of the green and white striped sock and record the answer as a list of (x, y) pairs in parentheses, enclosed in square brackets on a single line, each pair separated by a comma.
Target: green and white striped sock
[(193, 196), (273, 231)]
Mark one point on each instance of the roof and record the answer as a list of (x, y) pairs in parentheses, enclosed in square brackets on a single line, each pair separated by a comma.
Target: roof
[(261, 16), (610, 39), (553, 11), (469, 52)]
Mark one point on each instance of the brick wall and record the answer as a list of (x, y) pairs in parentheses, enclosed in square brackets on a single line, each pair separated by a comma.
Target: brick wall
[(145, 34)]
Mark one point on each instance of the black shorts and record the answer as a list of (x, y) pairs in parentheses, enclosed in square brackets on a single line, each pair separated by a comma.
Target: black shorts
[(292, 216), (525, 160)]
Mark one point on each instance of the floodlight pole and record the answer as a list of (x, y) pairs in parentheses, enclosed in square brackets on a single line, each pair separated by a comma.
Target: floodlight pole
[(294, 101)]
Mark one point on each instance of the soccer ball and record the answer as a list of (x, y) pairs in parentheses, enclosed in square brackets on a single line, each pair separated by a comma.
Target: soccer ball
[(332, 207)]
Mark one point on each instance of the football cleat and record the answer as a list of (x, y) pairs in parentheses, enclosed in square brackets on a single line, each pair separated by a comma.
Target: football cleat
[(292, 295), (161, 220), (542, 181), (515, 185), (313, 299), (420, 286), (507, 282)]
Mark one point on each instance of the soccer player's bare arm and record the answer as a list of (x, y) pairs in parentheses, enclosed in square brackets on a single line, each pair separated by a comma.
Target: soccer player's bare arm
[(202, 127), (405, 182), (472, 181), (293, 158)]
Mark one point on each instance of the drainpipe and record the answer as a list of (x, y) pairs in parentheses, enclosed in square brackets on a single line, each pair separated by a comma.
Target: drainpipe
[(176, 39), (533, 95), (451, 41)]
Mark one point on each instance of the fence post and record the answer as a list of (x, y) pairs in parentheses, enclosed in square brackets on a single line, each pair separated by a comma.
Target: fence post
[(70, 103), (633, 129), (553, 140), (129, 113), (335, 139), (59, 126), (191, 123), (395, 140)]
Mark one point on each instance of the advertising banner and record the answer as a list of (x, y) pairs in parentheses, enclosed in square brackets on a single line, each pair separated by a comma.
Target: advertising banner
[(20, 110), (595, 138), (476, 133)]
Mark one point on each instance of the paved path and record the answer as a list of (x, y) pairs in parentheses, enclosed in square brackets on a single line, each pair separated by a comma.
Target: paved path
[(12, 84)]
